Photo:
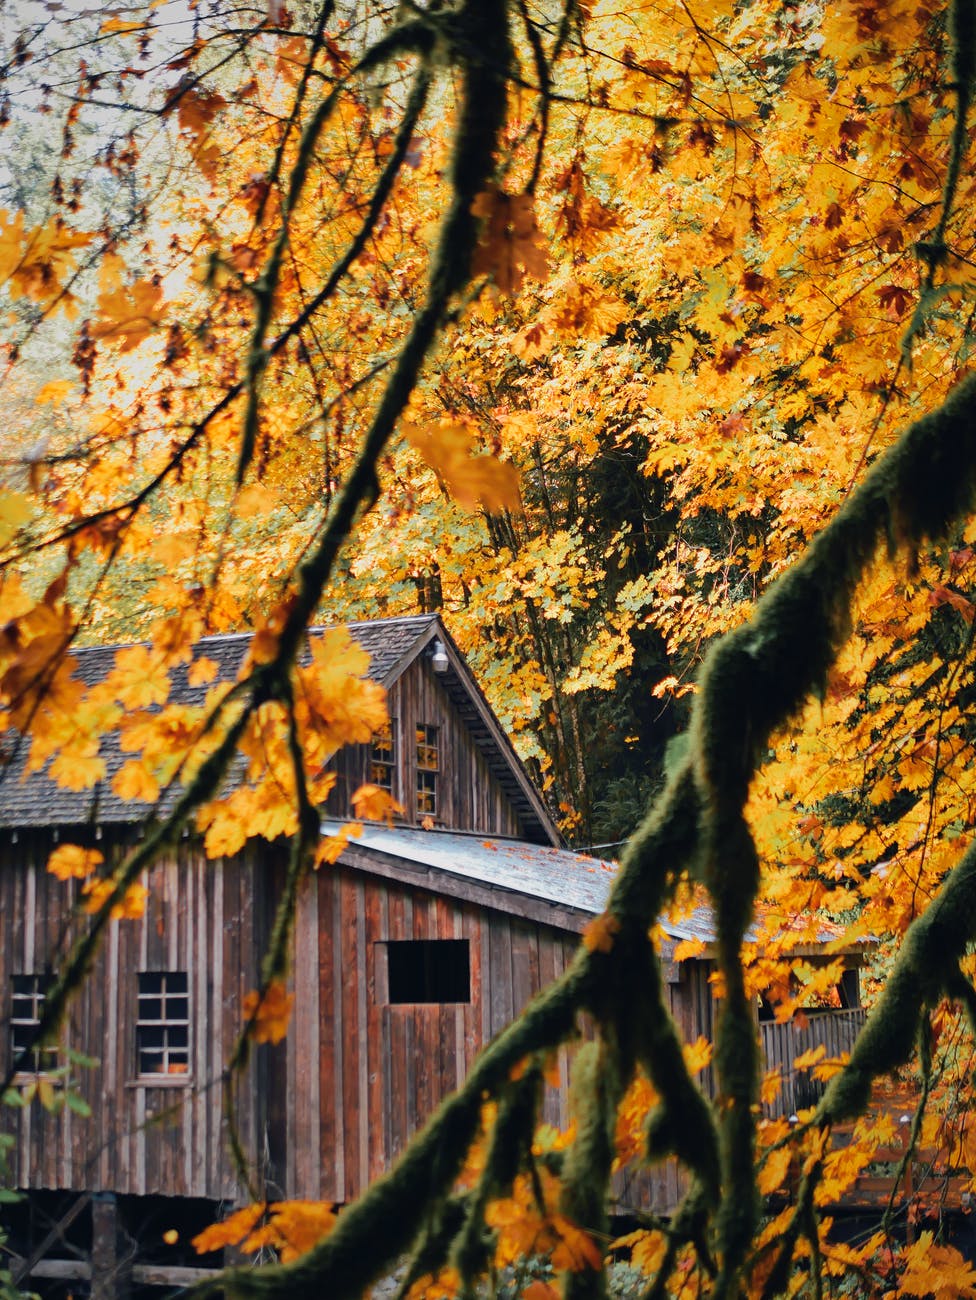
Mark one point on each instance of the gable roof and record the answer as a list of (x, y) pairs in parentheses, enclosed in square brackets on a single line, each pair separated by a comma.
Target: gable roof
[(392, 645)]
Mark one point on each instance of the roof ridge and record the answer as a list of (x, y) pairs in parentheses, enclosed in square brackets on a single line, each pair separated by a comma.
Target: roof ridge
[(226, 638)]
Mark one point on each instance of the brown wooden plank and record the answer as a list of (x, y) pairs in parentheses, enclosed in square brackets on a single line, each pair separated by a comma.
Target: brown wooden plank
[(398, 1023), (500, 991), (325, 885), (377, 1053), (352, 1097)]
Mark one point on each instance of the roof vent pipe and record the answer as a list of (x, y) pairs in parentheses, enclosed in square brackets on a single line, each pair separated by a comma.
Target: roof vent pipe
[(438, 657)]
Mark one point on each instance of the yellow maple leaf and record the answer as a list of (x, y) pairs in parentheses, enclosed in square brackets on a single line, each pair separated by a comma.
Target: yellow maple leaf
[(332, 847), (72, 861), (698, 1055), (774, 1169), (130, 907), (807, 1060), (230, 1232), (120, 27), (139, 678), (293, 1228), (201, 671), (226, 832), (687, 948), (599, 934), (77, 770), (134, 781), (129, 315), (472, 480), (268, 1016), (575, 1248), (16, 509), (372, 803), (511, 245)]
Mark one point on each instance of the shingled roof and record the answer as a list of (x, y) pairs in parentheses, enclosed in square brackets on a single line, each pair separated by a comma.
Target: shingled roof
[(391, 643)]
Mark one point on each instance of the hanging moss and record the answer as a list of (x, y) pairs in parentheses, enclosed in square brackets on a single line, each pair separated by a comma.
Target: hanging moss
[(597, 1092)]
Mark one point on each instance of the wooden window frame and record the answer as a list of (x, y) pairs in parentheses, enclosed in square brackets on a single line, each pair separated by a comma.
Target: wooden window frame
[(41, 1059), (171, 989), (428, 769), (382, 771)]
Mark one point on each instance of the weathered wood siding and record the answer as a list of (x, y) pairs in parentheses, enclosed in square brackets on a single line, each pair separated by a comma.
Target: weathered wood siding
[(202, 917), (336, 1103), (362, 1074), (835, 1030), (469, 796)]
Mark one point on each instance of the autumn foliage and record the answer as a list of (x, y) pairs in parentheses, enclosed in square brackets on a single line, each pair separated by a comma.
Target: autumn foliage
[(584, 325)]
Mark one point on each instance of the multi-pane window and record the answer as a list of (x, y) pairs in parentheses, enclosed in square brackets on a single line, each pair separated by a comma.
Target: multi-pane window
[(382, 758), (428, 764), (27, 1008), (163, 1024)]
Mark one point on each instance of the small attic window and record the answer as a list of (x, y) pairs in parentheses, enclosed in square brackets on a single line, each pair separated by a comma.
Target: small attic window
[(428, 970), (383, 757), (428, 769)]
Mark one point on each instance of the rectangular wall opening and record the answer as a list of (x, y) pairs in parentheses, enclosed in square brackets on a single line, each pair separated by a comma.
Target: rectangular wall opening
[(428, 970)]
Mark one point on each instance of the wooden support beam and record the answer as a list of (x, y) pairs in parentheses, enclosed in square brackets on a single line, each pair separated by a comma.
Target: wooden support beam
[(110, 1264), (79, 1270)]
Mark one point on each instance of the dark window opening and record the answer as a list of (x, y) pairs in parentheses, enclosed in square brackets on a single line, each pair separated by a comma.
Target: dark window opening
[(428, 764), (429, 970), (27, 1008), (382, 757), (163, 1024)]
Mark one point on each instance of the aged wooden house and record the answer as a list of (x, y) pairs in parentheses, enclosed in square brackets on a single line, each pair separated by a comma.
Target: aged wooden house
[(426, 938)]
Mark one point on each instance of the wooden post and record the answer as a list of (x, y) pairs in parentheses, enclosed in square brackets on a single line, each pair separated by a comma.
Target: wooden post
[(110, 1262)]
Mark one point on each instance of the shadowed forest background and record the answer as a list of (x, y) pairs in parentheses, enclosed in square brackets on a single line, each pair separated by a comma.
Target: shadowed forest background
[(634, 340)]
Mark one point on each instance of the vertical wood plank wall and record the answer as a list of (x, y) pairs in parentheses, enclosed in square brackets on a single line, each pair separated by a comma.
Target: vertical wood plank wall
[(205, 918), (333, 1106), (469, 797), (379, 1069)]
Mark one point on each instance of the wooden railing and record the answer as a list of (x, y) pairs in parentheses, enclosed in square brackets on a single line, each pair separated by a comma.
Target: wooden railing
[(782, 1044)]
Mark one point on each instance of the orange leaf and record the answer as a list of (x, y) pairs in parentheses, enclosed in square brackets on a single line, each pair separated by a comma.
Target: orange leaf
[(72, 861), (472, 480), (372, 803), (130, 907), (511, 245), (133, 781), (539, 1290), (598, 935), (127, 316), (269, 1016), (231, 1232)]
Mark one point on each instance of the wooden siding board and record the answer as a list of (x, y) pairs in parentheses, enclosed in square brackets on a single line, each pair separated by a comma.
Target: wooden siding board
[(377, 1059), (500, 973), (351, 1046), (399, 1055), (362, 1078), (326, 969)]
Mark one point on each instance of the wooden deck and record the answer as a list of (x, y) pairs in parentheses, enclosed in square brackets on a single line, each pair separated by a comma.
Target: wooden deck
[(917, 1189)]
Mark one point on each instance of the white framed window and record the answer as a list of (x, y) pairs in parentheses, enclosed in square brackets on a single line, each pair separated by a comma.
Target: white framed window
[(383, 758), (428, 770), (29, 994), (163, 1023)]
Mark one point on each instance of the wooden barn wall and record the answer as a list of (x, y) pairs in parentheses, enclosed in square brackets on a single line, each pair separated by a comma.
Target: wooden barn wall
[(469, 796), (363, 1075), (142, 1137)]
